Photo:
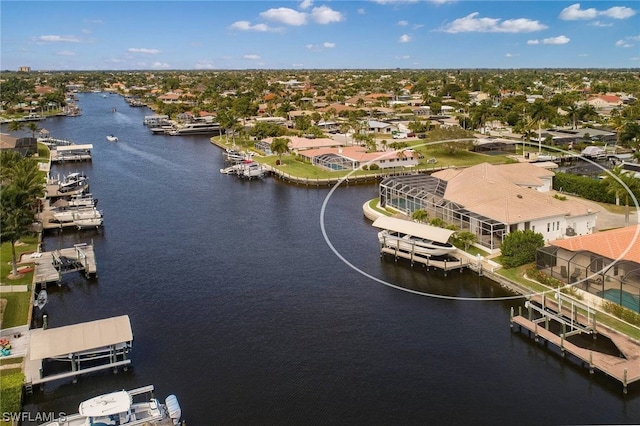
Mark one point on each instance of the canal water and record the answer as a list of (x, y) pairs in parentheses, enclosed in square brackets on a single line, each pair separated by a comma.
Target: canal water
[(255, 309)]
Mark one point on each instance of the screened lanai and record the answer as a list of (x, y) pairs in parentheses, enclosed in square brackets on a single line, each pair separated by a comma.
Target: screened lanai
[(615, 280), (334, 162), (414, 192)]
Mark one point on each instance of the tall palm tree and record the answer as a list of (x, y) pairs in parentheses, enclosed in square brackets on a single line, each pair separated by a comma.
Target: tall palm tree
[(539, 112), (280, 146), (620, 182), (33, 127), (572, 110)]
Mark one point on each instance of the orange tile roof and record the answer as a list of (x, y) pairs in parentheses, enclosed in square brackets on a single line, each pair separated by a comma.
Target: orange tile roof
[(623, 243)]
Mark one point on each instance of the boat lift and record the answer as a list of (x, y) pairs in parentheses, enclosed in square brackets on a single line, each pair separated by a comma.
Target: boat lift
[(86, 347)]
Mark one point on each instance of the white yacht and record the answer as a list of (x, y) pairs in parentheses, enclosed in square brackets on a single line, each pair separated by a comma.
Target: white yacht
[(195, 128), (118, 408)]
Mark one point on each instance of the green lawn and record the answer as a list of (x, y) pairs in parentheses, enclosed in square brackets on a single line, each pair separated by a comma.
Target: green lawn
[(17, 308)]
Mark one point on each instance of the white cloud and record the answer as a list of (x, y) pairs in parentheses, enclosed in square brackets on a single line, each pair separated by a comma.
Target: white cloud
[(319, 47), (246, 26), (618, 12), (622, 43), (574, 12), (556, 40), (306, 4), (403, 23), (601, 24), (471, 23), (160, 65), (284, 15), (361, 11), (583, 55), (143, 50), (252, 57), (326, 15), (58, 38), (533, 41), (66, 53), (404, 38), (510, 55)]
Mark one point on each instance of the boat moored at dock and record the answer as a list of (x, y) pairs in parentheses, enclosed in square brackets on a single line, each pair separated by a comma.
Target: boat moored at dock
[(119, 408), (412, 237)]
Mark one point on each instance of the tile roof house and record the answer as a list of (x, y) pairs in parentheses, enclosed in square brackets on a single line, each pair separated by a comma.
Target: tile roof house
[(605, 264), (491, 201)]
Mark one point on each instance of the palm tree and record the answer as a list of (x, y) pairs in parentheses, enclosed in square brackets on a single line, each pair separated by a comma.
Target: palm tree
[(15, 126), (465, 238), (573, 110), (620, 182), (33, 128), (539, 112), (22, 184), (280, 146), (420, 216)]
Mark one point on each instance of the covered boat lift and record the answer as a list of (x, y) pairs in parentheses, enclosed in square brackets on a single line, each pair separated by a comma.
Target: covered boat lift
[(72, 152), (420, 230), (86, 347)]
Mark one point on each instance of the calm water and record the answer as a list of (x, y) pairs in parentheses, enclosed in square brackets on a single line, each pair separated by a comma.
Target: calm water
[(240, 307)]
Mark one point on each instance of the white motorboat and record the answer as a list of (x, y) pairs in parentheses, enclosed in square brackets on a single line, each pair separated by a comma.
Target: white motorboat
[(413, 237), (409, 243), (73, 215), (73, 182), (252, 169), (42, 299), (93, 222), (235, 156), (82, 200), (112, 138), (119, 408)]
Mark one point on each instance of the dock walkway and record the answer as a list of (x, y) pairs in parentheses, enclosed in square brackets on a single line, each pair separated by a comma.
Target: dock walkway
[(625, 369), (51, 266)]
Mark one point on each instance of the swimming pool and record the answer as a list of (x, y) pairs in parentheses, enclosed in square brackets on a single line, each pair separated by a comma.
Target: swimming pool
[(624, 298)]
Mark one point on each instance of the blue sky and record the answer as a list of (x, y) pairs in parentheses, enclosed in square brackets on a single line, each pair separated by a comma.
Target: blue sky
[(314, 34)]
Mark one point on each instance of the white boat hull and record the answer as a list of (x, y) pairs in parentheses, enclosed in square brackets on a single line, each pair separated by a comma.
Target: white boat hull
[(417, 246)]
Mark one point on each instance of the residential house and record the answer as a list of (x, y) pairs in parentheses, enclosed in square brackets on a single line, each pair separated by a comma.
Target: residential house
[(490, 201)]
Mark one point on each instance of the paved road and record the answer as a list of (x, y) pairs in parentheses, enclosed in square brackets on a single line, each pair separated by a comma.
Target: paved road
[(607, 219)]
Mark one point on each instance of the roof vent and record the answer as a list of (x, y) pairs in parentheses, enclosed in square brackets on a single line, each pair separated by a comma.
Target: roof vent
[(519, 195)]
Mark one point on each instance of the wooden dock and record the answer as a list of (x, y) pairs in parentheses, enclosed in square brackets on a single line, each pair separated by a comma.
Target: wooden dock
[(625, 369), (51, 266), (428, 262)]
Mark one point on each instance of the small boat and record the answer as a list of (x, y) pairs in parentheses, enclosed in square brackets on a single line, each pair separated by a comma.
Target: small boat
[(112, 138), (73, 182), (93, 222), (118, 408), (42, 299)]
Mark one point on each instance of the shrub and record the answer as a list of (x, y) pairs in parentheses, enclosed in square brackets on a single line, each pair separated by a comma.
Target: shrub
[(621, 312), (374, 167), (519, 248)]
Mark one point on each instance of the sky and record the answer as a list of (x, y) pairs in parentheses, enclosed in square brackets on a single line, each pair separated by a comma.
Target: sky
[(315, 34)]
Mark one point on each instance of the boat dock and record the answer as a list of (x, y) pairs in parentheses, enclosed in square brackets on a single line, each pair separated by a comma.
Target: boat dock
[(577, 318), (51, 266), (80, 348), (446, 264), (73, 152)]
